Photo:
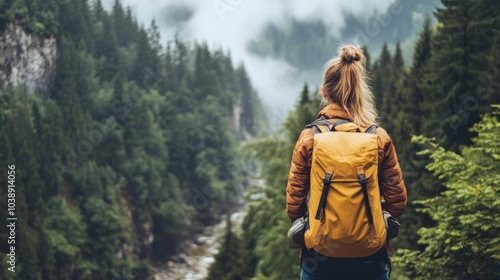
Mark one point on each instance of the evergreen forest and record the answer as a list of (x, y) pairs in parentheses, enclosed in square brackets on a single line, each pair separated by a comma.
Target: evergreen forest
[(134, 148), (142, 142)]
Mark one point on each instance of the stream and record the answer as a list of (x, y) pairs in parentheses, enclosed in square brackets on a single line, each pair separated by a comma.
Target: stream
[(198, 255)]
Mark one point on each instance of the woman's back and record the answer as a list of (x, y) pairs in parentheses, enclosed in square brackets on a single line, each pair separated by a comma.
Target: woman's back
[(348, 98)]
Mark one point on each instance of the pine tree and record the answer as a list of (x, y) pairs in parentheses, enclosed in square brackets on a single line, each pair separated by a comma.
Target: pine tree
[(66, 89), (83, 7), (180, 54), (378, 86), (227, 264), (482, 31), (169, 81), (178, 147), (385, 57), (204, 74), (116, 115), (367, 57), (464, 242), (248, 111), (154, 38), (109, 51), (145, 64), (385, 88), (131, 26), (421, 56), (119, 24), (419, 182), (72, 23), (98, 11), (452, 105), (49, 139), (422, 51), (304, 95), (495, 53), (398, 57)]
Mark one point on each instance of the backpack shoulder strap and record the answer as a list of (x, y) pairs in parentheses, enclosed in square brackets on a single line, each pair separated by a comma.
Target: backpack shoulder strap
[(372, 129), (325, 125), (341, 122), (320, 125), (345, 126)]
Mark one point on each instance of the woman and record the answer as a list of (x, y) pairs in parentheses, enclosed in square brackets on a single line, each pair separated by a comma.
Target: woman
[(348, 97)]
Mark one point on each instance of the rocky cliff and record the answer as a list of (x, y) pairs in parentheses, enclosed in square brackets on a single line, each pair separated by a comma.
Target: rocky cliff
[(26, 59)]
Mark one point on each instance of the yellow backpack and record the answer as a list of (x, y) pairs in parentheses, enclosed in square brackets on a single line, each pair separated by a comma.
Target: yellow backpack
[(345, 210)]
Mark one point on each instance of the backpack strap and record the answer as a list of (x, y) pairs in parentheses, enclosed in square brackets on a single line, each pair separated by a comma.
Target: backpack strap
[(324, 194), (341, 122), (372, 129), (324, 124), (322, 119), (346, 126), (362, 182)]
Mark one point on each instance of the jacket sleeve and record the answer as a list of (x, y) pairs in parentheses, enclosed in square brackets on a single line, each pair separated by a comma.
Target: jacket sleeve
[(390, 176), (298, 178)]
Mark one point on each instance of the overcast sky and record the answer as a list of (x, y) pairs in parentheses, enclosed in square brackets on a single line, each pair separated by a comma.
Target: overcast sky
[(232, 23)]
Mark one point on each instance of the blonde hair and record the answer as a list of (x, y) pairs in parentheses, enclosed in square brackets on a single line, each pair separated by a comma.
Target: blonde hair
[(345, 84)]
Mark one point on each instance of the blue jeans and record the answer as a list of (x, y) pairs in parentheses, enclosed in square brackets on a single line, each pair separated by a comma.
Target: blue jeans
[(319, 267)]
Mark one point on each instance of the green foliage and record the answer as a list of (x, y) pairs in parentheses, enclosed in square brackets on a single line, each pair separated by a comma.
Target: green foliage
[(441, 96), (304, 95), (114, 161), (227, 265), (265, 253), (464, 244), (398, 57), (65, 230), (455, 91), (33, 15), (265, 225)]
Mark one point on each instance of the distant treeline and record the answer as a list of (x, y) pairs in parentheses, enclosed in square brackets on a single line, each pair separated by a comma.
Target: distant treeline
[(308, 44)]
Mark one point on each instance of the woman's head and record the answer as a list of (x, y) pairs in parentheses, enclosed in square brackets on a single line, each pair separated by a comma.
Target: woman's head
[(344, 83)]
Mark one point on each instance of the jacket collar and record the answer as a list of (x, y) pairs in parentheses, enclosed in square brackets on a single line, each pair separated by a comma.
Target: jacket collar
[(334, 111)]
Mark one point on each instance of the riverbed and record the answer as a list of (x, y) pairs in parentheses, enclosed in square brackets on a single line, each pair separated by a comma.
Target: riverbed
[(194, 263)]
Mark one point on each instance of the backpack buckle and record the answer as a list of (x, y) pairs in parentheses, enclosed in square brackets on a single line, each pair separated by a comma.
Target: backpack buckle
[(362, 179)]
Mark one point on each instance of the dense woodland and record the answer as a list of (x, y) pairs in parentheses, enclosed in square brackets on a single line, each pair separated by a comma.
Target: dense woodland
[(450, 228), (138, 145), (134, 149)]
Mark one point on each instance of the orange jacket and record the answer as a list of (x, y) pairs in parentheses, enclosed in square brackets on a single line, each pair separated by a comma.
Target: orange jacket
[(390, 176)]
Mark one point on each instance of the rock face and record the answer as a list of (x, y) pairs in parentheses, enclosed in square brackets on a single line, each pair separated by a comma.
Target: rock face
[(26, 59)]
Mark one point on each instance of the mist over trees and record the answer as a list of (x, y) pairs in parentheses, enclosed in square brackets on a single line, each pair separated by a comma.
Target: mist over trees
[(308, 44)]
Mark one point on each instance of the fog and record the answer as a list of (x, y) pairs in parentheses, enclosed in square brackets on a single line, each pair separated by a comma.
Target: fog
[(230, 24)]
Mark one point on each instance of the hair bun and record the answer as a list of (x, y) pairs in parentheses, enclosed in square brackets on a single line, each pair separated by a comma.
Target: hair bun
[(350, 53)]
